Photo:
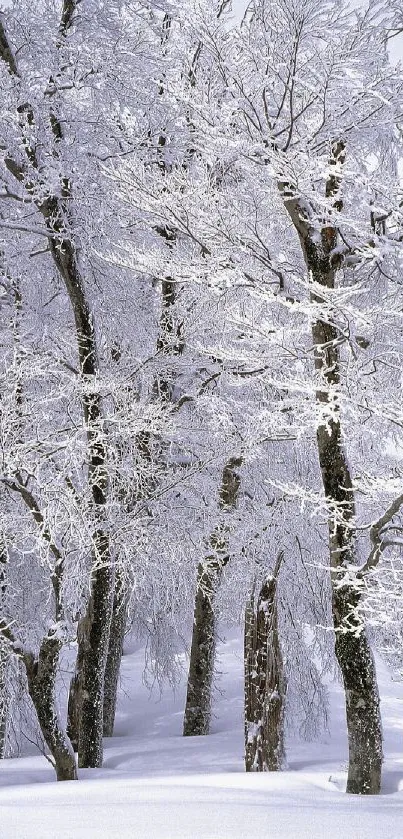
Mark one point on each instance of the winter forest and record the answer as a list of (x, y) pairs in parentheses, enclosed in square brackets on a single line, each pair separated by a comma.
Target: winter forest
[(201, 415)]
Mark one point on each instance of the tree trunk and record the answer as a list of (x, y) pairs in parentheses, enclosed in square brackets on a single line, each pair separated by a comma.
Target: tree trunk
[(56, 212), (94, 631), (4, 703), (115, 652), (4, 658), (352, 647), (41, 676), (73, 707), (265, 683), (94, 639), (202, 655), (364, 726)]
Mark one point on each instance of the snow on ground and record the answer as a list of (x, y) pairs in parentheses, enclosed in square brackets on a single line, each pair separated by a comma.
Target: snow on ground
[(155, 784)]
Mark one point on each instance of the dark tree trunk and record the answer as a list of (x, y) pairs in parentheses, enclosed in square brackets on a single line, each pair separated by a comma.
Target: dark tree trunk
[(202, 655), (73, 708), (56, 213), (93, 638), (115, 652), (4, 703), (364, 726), (87, 688), (352, 647), (265, 683), (41, 676)]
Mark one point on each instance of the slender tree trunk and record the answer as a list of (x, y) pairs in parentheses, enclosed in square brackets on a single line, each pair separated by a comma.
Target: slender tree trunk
[(94, 630), (41, 675), (202, 655), (15, 322), (73, 707), (56, 212), (115, 652), (93, 639), (4, 657), (4, 703), (265, 683), (352, 647)]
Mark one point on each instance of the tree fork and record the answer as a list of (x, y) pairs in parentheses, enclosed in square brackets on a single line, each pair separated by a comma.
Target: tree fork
[(41, 676)]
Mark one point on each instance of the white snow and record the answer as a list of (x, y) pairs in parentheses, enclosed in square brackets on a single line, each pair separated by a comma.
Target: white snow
[(155, 784)]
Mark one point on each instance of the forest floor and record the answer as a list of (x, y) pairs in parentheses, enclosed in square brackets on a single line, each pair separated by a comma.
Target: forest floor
[(155, 784)]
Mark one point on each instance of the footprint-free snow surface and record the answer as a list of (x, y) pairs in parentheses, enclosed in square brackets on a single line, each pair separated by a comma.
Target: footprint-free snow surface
[(155, 784)]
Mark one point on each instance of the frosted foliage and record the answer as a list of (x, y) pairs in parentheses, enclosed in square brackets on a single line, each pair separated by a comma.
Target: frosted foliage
[(168, 164)]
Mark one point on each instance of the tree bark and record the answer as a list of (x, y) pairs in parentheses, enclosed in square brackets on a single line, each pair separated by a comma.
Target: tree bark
[(94, 630), (202, 655), (352, 647), (41, 676), (115, 652), (4, 697), (56, 212), (4, 703), (265, 683)]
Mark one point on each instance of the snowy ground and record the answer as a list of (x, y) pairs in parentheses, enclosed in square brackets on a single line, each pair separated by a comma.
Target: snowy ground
[(157, 785)]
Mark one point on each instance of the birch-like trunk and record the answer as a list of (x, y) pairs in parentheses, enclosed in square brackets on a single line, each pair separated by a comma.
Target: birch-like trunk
[(265, 682), (202, 655)]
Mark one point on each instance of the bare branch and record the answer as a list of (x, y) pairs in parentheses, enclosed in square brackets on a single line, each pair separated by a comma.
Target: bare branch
[(6, 53), (32, 504), (378, 543)]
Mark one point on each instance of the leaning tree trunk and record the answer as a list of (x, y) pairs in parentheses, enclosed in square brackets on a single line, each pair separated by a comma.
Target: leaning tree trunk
[(202, 655), (41, 675), (88, 684), (352, 647), (265, 683), (55, 209)]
